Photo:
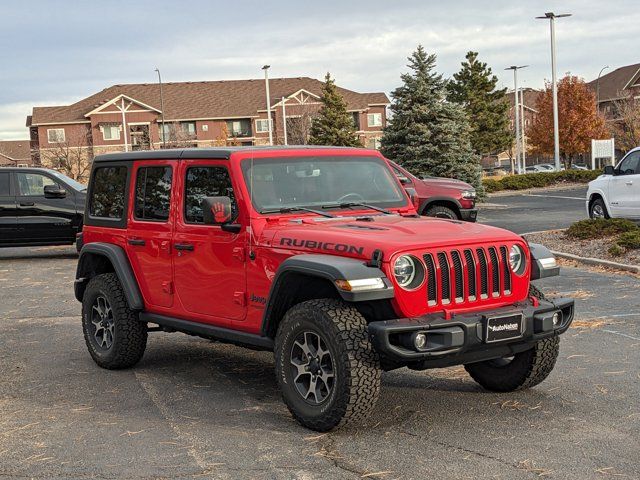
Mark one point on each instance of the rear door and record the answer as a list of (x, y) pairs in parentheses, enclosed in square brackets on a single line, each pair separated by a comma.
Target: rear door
[(624, 188), (41, 219), (209, 263), (149, 229), (8, 209)]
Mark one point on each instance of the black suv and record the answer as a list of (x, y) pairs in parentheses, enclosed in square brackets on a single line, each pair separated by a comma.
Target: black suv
[(39, 206)]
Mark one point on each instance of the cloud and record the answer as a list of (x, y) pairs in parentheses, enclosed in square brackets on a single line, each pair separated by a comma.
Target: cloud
[(64, 51)]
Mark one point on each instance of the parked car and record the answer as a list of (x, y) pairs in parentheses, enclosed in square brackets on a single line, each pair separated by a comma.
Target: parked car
[(440, 197), (39, 206), (316, 254), (575, 166), (616, 193)]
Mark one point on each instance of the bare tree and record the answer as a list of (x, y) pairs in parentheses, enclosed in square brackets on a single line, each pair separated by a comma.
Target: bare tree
[(625, 124), (178, 136), (299, 125), (74, 155)]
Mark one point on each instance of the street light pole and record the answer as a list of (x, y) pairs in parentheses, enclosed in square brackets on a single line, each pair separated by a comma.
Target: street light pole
[(266, 83), (515, 69), (556, 135), (598, 88), (164, 141)]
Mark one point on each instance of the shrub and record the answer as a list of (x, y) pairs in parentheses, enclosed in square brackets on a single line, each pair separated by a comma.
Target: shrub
[(600, 227), (629, 240), (615, 250), (539, 180)]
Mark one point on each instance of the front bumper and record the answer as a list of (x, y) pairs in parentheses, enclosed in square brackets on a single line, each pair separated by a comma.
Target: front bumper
[(461, 339), (469, 214)]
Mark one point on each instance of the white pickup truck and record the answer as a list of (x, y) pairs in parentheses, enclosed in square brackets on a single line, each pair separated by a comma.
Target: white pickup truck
[(616, 193)]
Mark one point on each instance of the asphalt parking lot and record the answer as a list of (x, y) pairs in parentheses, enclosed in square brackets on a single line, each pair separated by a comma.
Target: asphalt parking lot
[(194, 408), (535, 211)]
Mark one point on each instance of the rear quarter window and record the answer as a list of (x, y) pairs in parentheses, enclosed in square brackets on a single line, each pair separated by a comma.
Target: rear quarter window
[(108, 192)]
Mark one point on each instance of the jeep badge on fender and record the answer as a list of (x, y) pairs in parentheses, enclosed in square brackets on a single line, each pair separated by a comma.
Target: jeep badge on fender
[(318, 255)]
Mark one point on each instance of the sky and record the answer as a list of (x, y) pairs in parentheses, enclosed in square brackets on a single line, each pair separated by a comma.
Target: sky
[(58, 52)]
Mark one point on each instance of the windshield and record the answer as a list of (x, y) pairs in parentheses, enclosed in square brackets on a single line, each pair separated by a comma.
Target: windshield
[(277, 183), (69, 181)]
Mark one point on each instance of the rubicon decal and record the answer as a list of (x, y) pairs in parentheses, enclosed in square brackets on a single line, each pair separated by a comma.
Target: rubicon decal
[(314, 244)]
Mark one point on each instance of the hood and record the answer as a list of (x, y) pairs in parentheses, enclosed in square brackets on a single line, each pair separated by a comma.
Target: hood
[(448, 182), (357, 237)]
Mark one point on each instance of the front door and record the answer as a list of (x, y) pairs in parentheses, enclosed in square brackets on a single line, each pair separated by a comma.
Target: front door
[(624, 188), (209, 263), (42, 219), (8, 209), (149, 229)]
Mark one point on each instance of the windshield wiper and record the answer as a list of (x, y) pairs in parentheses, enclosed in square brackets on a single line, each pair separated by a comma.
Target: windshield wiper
[(358, 204), (298, 209)]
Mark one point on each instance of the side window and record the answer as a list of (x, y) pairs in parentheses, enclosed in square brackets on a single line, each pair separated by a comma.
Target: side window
[(153, 193), (630, 165), (5, 182), (32, 184), (202, 182), (108, 192)]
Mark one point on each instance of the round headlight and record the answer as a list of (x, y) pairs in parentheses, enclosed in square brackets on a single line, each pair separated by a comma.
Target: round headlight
[(516, 259), (404, 270)]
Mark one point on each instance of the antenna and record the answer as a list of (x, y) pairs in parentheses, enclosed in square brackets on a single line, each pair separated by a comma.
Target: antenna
[(252, 254)]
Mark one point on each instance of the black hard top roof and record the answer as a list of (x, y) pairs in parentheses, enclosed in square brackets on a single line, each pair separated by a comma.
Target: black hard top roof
[(198, 153)]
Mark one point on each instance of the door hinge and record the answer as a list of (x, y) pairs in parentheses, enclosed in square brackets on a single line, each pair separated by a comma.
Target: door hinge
[(167, 287), (238, 252), (240, 298)]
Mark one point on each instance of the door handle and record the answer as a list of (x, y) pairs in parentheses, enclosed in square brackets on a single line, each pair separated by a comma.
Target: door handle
[(629, 182), (27, 204), (136, 241), (184, 246)]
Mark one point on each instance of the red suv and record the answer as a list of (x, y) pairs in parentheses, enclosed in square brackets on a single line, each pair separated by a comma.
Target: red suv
[(318, 255), (440, 197)]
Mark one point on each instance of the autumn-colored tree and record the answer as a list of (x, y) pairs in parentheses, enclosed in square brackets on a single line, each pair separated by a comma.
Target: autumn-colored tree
[(579, 121)]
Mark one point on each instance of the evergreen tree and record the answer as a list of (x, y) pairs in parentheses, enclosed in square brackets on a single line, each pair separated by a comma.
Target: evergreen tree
[(474, 87), (427, 134), (333, 125)]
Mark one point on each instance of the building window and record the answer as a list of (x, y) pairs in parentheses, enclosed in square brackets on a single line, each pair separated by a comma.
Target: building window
[(373, 142), (239, 128), (111, 132), (356, 120), (153, 193), (374, 119), (55, 135), (188, 128), (108, 192), (262, 125)]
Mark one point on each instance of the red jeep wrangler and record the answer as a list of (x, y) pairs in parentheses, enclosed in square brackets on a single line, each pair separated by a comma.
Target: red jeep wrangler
[(318, 255)]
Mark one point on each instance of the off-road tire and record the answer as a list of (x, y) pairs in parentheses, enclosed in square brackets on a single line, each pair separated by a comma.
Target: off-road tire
[(356, 364), (130, 335), (598, 202), (441, 212)]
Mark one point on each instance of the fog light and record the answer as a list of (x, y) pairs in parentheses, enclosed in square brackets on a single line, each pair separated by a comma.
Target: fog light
[(556, 319), (419, 341)]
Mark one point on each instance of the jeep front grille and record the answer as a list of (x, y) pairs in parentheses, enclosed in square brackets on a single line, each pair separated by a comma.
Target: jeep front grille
[(467, 275)]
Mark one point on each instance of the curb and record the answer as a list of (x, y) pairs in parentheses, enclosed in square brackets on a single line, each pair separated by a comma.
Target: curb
[(598, 262), (553, 188)]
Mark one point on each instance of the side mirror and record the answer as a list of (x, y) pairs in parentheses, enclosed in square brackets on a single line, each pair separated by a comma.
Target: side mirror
[(218, 211), (54, 191), (609, 170), (403, 180), (415, 199)]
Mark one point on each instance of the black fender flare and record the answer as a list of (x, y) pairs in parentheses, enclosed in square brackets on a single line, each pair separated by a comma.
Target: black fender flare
[(431, 200), (330, 268), (121, 266), (539, 268)]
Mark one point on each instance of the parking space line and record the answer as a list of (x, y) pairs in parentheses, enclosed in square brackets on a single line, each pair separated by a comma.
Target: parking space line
[(553, 196), (621, 334)]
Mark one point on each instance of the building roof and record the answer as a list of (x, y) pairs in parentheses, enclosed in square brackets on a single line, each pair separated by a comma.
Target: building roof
[(202, 100), (614, 83), (530, 96), (14, 151)]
